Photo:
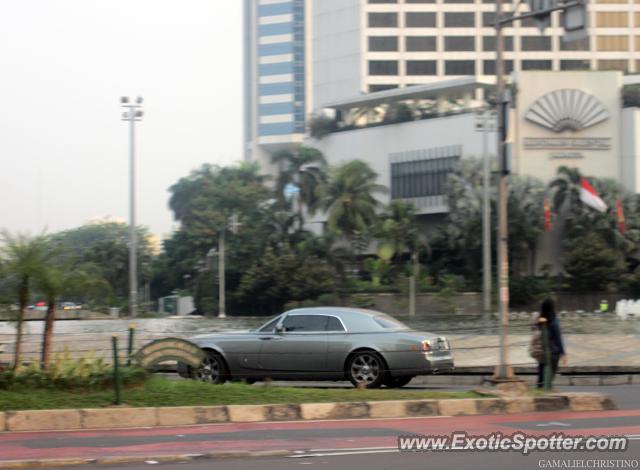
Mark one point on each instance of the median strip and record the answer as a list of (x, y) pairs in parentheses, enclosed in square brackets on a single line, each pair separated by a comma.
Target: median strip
[(127, 417)]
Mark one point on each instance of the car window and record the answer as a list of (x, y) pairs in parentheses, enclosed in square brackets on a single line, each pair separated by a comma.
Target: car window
[(333, 324), (269, 327), (389, 323), (300, 323)]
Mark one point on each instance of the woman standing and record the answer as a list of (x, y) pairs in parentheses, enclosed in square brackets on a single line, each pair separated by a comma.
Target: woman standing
[(548, 317)]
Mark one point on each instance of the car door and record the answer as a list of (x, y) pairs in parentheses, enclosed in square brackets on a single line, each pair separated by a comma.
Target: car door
[(301, 347)]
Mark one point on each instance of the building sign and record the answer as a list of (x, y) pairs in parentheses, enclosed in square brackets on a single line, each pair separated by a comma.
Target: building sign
[(567, 110), (570, 143), (169, 349)]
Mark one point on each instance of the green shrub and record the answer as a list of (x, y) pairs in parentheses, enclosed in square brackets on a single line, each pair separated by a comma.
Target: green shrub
[(67, 373), (524, 290), (363, 301)]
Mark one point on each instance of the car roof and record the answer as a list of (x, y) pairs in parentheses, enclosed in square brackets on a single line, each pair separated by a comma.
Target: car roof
[(354, 319)]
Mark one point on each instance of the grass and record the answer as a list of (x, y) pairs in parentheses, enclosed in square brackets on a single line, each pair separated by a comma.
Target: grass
[(163, 392)]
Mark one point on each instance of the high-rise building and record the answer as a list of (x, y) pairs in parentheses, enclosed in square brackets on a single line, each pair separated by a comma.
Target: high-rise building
[(276, 98), (351, 47)]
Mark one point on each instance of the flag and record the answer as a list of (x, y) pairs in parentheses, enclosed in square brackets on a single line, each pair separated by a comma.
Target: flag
[(590, 197), (622, 226), (547, 216)]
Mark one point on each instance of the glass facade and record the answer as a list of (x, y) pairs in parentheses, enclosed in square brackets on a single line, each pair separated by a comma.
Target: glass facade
[(281, 68)]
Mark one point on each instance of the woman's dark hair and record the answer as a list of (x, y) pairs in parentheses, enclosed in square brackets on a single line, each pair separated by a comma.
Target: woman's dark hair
[(548, 310)]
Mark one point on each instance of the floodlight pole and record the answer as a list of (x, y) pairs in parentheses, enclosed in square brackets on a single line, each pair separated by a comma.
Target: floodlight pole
[(132, 114)]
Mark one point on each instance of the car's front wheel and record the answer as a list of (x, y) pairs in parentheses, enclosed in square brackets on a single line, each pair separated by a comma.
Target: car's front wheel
[(366, 369), (212, 369), (398, 382)]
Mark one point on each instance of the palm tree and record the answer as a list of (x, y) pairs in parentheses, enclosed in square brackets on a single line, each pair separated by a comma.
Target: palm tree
[(24, 258), (56, 280), (306, 169), (565, 189), (399, 232), (349, 200)]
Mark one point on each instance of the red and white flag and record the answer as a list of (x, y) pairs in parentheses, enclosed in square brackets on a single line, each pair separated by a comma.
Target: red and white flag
[(590, 197)]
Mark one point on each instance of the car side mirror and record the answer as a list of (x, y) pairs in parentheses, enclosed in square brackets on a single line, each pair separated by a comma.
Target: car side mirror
[(280, 328)]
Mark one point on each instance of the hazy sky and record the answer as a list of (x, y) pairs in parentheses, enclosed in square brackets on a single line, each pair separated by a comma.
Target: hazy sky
[(63, 66)]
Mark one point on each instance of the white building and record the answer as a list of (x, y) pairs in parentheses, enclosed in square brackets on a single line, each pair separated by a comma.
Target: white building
[(304, 54), (571, 119)]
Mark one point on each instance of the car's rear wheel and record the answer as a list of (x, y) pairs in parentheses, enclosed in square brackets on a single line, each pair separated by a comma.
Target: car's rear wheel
[(398, 382), (212, 369), (366, 369)]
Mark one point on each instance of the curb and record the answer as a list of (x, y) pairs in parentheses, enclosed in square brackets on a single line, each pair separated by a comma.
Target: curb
[(122, 418)]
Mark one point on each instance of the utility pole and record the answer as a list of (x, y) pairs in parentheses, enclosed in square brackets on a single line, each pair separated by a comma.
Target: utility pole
[(132, 114), (222, 302), (574, 25)]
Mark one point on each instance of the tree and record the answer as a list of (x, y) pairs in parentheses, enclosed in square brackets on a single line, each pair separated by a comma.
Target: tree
[(306, 169), (24, 257), (349, 199), (592, 264), (280, 277), (565, 189), (105, 246)]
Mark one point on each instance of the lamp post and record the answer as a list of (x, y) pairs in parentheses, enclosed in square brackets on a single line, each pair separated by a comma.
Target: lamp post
[(133, 113)]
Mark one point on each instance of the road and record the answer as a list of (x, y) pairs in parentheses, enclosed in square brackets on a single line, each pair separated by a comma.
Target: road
[(369, 444)]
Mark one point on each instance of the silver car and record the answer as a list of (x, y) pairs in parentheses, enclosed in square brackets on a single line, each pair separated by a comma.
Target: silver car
[(326, 343)]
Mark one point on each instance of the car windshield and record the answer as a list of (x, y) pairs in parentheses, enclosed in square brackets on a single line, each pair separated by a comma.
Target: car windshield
[(389, 323), (269, 326)]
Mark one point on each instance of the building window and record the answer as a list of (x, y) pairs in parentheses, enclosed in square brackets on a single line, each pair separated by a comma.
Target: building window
[(613, 43), (421, 67), (489, 43), (489, 67), (374, 88), (579, 45), (459, 43), (419, 1), (420, 43), (460, 67), (382, 1), (459, 20), (535, 43), (383, 67), (421, 178), (613, 64), (612, 19), (637, 20), (459, 1), (575, 64), (420, 20), (489, 19), (383, 43), (536, 65), (383, 20)]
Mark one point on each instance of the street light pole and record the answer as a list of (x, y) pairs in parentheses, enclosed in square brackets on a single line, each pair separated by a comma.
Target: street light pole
[(132, 114), (486, 215)]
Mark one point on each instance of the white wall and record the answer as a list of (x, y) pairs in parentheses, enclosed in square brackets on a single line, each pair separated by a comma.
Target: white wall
[(375, 144), (543, 163), (337, 50)]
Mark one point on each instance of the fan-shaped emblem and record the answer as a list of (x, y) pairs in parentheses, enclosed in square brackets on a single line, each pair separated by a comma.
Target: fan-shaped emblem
[(563, 110)]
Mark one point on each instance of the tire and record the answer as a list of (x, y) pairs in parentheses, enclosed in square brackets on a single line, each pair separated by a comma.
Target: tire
[(366, 369), (213, 369), (398, 382)]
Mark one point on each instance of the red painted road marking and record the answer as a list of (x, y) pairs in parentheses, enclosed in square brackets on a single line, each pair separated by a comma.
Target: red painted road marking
[(168, 441)]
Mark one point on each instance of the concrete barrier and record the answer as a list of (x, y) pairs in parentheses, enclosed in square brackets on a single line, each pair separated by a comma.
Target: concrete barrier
[(121, 417), (43, 420)]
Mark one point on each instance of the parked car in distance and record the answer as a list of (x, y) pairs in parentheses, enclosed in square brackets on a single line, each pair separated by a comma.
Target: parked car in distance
[(70, 306), (366, 347)]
